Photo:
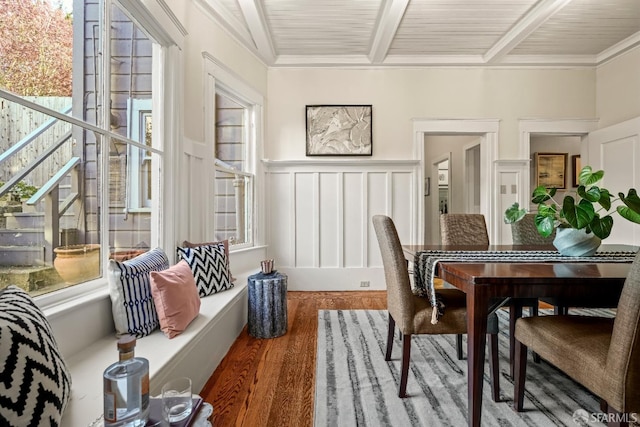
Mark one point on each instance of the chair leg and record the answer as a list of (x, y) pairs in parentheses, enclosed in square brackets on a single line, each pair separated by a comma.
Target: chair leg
[(494, 368), (520, 376), (614, 416), (406, 356), (392, 327), (515, 312), (459, 346), (603, 405)]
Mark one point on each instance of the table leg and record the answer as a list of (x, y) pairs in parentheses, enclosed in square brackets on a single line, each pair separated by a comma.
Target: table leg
[(477, 309)]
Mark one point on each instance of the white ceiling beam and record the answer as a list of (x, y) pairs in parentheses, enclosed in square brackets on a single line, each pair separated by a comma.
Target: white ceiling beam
[(386, 29), (618, 48), (540, 13), (257, 23), (216, 10)]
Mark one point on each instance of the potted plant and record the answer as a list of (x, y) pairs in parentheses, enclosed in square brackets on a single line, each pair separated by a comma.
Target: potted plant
[(585, 216)]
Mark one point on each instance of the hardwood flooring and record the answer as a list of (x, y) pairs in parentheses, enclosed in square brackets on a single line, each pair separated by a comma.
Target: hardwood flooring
[(271, 382)]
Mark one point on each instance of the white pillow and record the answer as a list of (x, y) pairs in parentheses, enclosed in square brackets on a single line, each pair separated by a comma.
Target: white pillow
[(134, 311)]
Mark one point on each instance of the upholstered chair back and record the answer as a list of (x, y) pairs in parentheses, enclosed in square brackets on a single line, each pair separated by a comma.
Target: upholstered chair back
[(623, 359), (463, 229), (524, 232), (399, 294)]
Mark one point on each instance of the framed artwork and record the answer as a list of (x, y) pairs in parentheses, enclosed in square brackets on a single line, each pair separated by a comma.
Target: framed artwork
[(339, 130), (443, 177), (551, 170), (576, 166)]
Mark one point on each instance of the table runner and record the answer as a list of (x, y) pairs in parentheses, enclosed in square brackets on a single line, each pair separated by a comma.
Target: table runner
[(426, 264)]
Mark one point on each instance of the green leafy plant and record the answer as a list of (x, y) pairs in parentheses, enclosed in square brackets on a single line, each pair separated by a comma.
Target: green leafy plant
[(589, 207), (21, 190)]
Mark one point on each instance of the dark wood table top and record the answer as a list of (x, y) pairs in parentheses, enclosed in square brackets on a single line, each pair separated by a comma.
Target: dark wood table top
[(412, 250)]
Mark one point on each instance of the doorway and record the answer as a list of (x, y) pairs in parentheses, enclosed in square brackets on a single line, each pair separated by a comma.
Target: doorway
[(452, 168), (486, 132)]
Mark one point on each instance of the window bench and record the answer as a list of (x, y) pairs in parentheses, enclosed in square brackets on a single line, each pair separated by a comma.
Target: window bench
[(195, 353)]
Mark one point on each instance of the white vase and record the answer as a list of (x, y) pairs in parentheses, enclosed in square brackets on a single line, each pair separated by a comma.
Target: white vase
[(576, 243)]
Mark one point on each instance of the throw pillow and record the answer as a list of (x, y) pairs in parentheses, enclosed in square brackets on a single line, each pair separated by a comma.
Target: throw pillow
[(225, 242), (209, 267), (176, 298), (34, 380), (134, 311)]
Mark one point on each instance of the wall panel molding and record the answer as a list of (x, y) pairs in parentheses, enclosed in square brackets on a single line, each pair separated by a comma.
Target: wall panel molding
[(319, 218)]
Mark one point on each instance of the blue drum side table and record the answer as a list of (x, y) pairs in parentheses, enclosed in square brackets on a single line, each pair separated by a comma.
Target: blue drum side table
[(267, 305)]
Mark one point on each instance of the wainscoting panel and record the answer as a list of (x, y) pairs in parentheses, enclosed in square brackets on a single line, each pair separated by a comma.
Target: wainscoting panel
[(306, 219), (319, 219), (330, 189), (281, 211), (353, 210)]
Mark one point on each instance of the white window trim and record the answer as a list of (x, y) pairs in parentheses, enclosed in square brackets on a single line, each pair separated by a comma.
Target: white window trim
[(219, 77), (168, 109)]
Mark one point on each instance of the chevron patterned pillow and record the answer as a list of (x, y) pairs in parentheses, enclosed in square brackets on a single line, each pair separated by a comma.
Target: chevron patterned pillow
[(209, 267), (134, 311), (34, 380)]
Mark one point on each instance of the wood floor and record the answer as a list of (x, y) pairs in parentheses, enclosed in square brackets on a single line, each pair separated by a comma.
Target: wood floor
[(270, 382)]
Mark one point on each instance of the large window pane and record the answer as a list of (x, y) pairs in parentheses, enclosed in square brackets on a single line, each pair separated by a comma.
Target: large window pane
[(233, 186), (89, 166), (49, 220)]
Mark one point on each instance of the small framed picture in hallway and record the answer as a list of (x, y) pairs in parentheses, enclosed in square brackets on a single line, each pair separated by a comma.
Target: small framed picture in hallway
[(551, 170)]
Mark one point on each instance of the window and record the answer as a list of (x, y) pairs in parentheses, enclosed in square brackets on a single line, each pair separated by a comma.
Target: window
[(233, 183), (139, 185), (100, 161), (234, 132)]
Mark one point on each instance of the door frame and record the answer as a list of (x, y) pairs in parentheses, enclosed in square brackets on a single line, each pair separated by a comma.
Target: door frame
[(487, 130)]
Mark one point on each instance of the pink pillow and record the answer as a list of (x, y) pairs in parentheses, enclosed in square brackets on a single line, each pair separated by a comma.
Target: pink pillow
[(176, 298)]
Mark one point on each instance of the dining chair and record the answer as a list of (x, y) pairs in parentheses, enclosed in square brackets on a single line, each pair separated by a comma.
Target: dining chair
[(524, 232), (602, 354), (412, 314), (462, 229)]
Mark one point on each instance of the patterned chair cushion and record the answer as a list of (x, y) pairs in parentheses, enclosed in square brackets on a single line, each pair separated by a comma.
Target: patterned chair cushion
[(134, 311), (209, 267), (34, 380)]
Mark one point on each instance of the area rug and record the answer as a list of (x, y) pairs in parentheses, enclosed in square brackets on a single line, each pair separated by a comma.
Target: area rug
[(355, 386)]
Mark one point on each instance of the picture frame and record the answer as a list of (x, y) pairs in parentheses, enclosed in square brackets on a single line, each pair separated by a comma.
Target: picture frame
[(551, 170), (443, 177), (339, 130), (576, 167)]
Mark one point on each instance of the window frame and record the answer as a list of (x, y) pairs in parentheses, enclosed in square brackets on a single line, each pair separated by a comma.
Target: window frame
[(219, 78), (167, 106)]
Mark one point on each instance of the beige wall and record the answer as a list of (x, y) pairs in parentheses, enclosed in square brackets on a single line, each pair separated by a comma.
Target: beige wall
[(398, 95), (618, 89), (205, 35)]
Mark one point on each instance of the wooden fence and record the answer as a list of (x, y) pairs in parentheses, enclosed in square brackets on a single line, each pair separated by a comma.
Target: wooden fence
[(16, 122)]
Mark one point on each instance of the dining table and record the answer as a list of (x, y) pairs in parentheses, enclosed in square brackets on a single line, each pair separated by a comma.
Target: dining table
[(488, 285)]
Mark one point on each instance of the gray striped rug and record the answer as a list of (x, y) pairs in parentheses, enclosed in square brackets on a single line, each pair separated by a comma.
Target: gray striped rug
[(355, 386)]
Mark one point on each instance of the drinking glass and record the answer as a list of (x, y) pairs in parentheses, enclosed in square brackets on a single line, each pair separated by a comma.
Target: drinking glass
[(176, 399)]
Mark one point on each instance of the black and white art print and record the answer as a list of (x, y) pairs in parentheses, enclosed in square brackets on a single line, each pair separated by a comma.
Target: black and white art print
[(339, 130)]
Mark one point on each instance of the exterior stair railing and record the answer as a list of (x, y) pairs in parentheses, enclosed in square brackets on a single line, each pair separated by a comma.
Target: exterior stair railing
[(50, 190)]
